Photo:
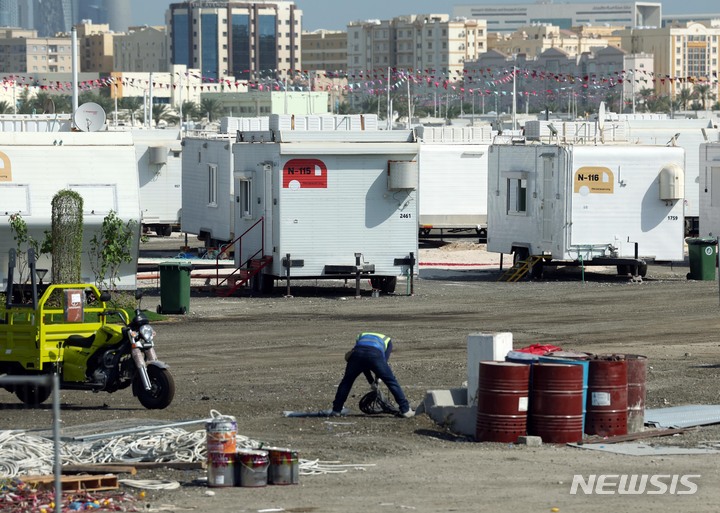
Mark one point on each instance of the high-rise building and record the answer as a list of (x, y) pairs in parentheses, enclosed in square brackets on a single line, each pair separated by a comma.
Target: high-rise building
[(9, 13), (52, 17), (244, 40)]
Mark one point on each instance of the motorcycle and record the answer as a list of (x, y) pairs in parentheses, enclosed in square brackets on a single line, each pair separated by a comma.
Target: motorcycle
[(79, 344)]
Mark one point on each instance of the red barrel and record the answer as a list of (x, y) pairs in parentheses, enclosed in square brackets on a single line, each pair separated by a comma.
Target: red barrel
[(637, 375), (556, 403), (502, 401), (607, 397)]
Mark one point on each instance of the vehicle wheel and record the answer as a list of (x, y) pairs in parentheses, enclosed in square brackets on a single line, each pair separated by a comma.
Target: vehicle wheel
[(482, 234), (162, 389), (32, 395), (520, 255), (165, 230), (642, 269), (623, 270), (537, 271)]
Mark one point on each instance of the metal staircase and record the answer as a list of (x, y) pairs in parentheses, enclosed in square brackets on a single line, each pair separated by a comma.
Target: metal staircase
[(251, 267), (520, 268)]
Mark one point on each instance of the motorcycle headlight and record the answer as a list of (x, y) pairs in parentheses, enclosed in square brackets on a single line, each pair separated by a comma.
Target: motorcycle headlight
[(147, 333)]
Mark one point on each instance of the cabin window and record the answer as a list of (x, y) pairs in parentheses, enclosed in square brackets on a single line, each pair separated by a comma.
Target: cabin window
[(715, 186), (516, 195), (212, 185), (245, 198)]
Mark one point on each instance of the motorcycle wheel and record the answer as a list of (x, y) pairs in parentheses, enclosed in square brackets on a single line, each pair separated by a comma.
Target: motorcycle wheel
[(32, 395), (162, 389)]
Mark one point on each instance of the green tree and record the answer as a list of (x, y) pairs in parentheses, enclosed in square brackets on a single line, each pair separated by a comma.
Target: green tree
[(110, 248), (704, 92), (211, 108), (191, 110), (104, 101), (24, 242), (131, 104), (685, 95), (161, 111), (6, 108)]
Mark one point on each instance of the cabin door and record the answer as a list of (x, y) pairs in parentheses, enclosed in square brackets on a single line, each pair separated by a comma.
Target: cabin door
[(548, 201)]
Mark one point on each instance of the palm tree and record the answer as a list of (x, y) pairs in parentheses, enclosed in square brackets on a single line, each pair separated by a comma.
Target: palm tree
[(191, 110), (685, 96), (131, 103), (703, 92), (645, 94), (161, 111), (104, 101), (211, 107), (6, 108)]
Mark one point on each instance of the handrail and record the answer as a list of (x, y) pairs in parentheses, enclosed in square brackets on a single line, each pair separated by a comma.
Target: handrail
[(232, 243)]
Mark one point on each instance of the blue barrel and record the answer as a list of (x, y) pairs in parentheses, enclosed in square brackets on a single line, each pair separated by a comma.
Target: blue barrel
[(585, 373)]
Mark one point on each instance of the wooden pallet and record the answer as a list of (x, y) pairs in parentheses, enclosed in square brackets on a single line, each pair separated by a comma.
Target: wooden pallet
[(73, 483)]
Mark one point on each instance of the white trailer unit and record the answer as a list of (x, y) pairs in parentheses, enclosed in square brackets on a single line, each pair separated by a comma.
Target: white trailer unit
[(453, 179), (207, 188), (328, 204), (595, 204), (688, 134), (710, 190), (159, 164), (100, 166)]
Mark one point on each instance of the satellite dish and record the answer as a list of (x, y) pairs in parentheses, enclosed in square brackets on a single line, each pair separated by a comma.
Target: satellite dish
[(601, 116), (89, 117), (49, 106)]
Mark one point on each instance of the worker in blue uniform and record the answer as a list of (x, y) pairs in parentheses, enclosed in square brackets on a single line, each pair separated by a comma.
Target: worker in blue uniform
[(370, 355)]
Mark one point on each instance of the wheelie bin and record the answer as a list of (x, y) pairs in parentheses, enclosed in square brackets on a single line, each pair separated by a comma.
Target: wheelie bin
[(174, 288), (702, 253)]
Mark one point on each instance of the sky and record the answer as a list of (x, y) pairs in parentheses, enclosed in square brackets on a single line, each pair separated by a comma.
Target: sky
[(335, 14)]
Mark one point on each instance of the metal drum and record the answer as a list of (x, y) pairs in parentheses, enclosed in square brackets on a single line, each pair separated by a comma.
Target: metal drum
[(607, 404), (502, 401), (637, 375), (578, 359), (556, 403)]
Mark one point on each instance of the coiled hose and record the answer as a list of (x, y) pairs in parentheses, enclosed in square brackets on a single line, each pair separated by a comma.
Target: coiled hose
[(374, 402)]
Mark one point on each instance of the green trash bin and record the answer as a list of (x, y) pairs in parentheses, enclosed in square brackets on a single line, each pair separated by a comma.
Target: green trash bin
[(702, 253), (174, 288)]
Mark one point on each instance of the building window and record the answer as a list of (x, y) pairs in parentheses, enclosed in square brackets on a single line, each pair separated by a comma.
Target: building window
[(212, 185), (516, 195)]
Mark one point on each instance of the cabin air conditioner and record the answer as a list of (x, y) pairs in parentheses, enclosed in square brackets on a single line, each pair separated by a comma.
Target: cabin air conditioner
[(402, 175), (672, 182)]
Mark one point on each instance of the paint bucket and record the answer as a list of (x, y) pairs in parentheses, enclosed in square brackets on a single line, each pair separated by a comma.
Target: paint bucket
[(502, 400), (221, 469), (607, 404), (581, 360), (221, 435), (284, 466), (556, 403), (252, 468), (636, 377)]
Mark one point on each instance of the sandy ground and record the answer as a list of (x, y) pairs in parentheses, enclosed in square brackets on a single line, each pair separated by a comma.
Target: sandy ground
[(255, 357)]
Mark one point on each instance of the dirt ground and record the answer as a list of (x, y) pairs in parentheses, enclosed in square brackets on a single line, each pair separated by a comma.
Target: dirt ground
[(255, 357)]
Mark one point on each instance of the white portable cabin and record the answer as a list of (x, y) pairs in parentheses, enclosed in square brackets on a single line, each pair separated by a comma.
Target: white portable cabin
[(326, 204), (688, 134), (710, 189), (586, 202), (159, 164), (207, 188), (100, 166), (453, 178)]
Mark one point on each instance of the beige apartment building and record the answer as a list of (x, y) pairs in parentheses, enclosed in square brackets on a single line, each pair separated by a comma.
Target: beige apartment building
[(415, 42), (324, 50), (684, 55), (96, 47), (142, 50), (21, 51), (533, 40)]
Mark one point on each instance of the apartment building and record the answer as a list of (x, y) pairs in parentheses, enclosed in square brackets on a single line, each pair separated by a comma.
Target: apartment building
[(324, 50), (96, 47), (684, 55), (22, 51), (533, 40), (245, 40), (142, 49), (415, 42)]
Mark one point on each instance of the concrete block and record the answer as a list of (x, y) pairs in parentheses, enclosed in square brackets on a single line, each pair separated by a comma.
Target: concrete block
[(530, 441), (484, 347), (448, 409)]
